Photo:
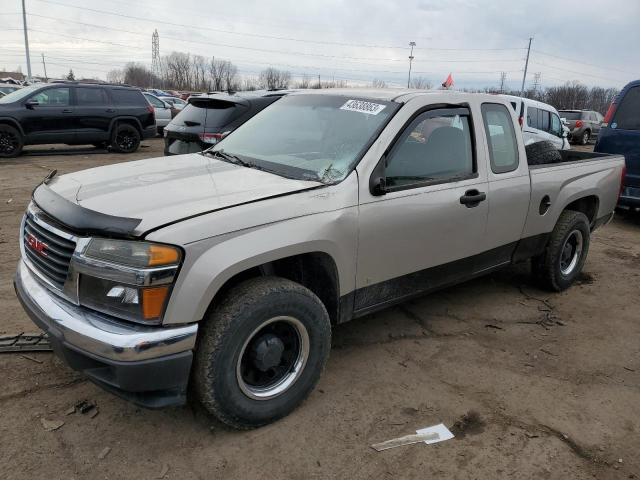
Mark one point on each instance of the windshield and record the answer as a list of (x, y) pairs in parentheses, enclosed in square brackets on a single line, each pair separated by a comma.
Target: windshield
[(19, 94), (311, 137), (570, 115)]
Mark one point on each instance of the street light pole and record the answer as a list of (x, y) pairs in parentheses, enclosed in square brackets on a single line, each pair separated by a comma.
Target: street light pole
[(411, 44), (26, 40)]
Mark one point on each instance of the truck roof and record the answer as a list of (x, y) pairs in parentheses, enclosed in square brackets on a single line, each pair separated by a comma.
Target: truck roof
[(398, 95)]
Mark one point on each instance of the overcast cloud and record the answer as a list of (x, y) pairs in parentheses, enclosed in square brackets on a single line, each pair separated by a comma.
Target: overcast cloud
[(594, 42)]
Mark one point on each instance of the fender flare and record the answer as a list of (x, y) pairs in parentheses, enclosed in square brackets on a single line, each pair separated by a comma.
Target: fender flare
[(114, 122), (14, 123)]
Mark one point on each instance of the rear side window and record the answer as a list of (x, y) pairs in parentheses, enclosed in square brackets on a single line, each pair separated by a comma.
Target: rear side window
[(155, 101), (628, 114), (503, 148), (532, 117), (435, 146), (91, 96), (212, 113), (543, 120), (128, 98)]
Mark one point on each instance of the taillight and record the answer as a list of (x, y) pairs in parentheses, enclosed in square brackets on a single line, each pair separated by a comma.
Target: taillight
[(212, 138), (151, 111), (521, 121), (622, 177), (579, 123), (609, 115)]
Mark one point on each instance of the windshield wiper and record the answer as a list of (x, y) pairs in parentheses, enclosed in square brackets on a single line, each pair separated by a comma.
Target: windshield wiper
[(231, 158)]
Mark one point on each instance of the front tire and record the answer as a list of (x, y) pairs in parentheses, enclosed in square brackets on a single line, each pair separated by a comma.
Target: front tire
[(562, 261), (125, 139), (262, 350), (11, 142)]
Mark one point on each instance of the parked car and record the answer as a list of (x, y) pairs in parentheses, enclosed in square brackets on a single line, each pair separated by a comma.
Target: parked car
[(539, 122), (324, 207), (7, 88), (207, 118), (75, 113), (175, 102), (163, 111), (620, 135), (157, 92), (583, 124)]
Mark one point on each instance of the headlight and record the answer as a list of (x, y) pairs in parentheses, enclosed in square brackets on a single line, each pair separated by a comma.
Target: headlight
[(127, 279)]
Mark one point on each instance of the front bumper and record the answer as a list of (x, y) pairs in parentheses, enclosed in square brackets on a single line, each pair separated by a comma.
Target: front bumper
[(147, 365)]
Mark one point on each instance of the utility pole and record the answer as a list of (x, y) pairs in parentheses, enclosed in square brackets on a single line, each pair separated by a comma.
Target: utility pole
[(503, 77), (526, 65), (319, 84), (44, 66), (26, 40), (411, 44)]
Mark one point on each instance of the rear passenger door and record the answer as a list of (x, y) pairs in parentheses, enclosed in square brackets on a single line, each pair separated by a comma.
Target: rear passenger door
[(426, 229), (93, 114), (509, 186)]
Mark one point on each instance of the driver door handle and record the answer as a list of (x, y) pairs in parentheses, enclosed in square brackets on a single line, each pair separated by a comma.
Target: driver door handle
[(472, 198), (67, 110)]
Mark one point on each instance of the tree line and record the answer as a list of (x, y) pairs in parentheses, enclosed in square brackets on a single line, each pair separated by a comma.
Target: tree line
[(186, 72)]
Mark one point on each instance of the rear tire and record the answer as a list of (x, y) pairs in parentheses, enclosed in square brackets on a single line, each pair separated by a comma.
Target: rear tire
[(565, 254), (125, 138), (11, 141), (586, 136), (542, 153), (261, 351)]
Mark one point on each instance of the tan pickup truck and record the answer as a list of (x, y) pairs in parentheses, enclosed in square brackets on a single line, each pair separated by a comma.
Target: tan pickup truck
[(225, 270)]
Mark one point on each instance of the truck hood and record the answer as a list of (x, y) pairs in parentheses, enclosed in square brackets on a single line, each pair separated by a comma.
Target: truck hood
[(164, 190)]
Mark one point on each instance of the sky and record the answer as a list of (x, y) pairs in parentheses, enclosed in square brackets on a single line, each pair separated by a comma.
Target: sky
[(593, 42)]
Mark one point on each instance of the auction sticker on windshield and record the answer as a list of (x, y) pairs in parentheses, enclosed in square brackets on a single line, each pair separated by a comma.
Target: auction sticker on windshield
[(363, 107)]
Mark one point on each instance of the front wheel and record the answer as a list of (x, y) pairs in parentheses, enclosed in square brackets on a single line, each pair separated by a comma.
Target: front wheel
[(565, 254), (126, 138), (261, 352)]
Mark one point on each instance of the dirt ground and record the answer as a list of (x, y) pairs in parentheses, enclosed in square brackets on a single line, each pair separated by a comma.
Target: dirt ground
[(554, 380)]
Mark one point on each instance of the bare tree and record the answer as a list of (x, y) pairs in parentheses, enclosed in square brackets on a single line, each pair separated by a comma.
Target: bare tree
[(271, 78), (223, 75), (250, 83), (137, 74), (421, 83), (377, 83), (304, 82), (115, 76)]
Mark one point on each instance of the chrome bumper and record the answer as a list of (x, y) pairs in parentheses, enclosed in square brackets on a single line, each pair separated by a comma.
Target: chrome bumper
[(96, 334)]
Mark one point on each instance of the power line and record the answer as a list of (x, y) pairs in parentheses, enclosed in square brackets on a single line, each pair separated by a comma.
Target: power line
[(582, 63)]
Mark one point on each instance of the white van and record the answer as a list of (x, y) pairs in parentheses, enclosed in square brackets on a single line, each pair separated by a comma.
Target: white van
[(539, 121)]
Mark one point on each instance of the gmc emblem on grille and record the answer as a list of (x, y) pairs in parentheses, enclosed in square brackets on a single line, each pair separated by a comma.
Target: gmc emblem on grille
[(36, 245)]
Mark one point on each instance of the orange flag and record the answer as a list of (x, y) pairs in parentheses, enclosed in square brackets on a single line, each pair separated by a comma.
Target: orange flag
[(448, 82)]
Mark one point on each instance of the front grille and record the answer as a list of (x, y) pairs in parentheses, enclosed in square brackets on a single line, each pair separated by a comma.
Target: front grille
[(47, 251)]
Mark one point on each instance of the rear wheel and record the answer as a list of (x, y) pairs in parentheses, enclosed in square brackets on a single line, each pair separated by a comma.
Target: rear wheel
[(261, 352), (585, 137), (563, 259), (11, 142), (125, 139)]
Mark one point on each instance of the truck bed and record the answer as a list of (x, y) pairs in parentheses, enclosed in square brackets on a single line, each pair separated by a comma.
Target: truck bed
[(572, 156)]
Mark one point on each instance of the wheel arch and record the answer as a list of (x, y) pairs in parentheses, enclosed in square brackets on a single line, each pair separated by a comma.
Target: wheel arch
[(589, 205), (13, 122), (126, 119)]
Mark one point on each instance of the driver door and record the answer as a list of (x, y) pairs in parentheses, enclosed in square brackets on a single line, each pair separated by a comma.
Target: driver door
[(424, 231), (49, 117)]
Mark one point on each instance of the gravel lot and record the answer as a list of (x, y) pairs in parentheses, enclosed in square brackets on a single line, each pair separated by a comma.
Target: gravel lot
[(554, 380)]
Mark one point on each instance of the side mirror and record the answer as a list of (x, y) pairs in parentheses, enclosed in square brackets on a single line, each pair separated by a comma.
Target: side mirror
[(377, 181), (31, 103)]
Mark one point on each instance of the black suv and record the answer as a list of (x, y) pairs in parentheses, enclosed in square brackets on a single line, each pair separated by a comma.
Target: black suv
[(75, 113), (210, 117)]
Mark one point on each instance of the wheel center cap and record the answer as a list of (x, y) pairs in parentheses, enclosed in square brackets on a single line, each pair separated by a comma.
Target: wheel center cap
[(267, 352)]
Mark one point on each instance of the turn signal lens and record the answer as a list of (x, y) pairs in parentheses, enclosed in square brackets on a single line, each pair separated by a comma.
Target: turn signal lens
[(162, 255), (153, 300)]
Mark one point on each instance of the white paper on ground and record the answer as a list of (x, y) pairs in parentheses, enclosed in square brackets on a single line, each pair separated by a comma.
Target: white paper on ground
[(442, 432)]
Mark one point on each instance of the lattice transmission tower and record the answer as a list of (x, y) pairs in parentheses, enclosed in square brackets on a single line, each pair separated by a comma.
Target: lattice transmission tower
[(155, 58)]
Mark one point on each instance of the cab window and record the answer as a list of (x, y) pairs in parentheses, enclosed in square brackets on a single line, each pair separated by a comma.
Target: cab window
[(501, 136), (435, 147)]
